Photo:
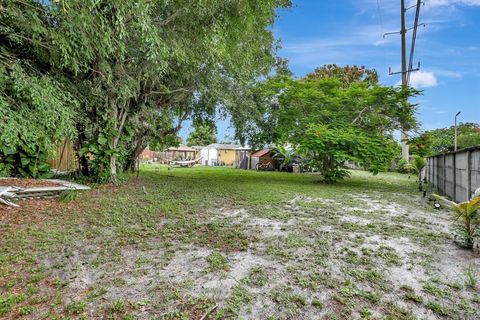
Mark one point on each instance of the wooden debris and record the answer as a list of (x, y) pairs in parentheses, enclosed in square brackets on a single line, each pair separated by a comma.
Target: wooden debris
[(208, 312), (53, 189), (4, 193)]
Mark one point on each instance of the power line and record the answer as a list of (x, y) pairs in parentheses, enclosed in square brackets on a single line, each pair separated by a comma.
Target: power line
[(380, 17), (406, 72), (414, 38)]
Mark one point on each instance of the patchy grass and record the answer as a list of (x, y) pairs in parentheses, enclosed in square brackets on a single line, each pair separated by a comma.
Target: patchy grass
[(226, 243)]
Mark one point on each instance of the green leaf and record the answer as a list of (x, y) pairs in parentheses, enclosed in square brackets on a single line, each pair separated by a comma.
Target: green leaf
[(24, 160), (102, 140)]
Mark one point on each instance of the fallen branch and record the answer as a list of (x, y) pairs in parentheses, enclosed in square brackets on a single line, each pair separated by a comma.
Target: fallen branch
[(208, 312)]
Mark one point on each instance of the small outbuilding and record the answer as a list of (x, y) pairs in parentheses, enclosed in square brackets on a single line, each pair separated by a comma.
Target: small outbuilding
[(263, 156)]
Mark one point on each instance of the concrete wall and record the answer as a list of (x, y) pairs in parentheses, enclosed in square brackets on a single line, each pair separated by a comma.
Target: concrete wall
[(455, 174)]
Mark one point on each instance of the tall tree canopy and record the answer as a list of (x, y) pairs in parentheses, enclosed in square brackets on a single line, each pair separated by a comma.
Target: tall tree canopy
[(125, 73), (441, 140), (328, 121), (204, 133)]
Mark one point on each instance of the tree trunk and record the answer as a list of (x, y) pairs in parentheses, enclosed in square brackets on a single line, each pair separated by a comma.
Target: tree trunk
[(119, 116), (82, 160), (131, 161)]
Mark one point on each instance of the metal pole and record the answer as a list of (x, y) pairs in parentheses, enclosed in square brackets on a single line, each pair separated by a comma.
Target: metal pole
[(455, 140), (403, 32)]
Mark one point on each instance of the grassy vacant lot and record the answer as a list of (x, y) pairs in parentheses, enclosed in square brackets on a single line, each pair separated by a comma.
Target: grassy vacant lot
[(257, 245)]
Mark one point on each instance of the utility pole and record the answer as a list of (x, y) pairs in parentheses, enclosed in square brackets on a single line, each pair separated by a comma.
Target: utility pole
[(403, 35), (455, 140), (406, 71)]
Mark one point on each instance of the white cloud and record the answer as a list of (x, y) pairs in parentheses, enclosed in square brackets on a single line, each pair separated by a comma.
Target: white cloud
[(445, 3), (423, 79)]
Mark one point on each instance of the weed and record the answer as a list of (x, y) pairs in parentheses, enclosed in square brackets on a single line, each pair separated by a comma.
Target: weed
[(411, 295), (366, 314), (8, 302), (437, 308), (471, 276), (434, 290), (26, 310), (117, 306), (141, 261), (240, 296), (291, 301), (389, 255), (318, 304), (76, 307), (257, 277), (217, 261), (69, 195)]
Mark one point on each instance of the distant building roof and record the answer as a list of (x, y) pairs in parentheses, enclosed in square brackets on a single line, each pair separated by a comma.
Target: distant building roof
[(181, 148), (223, 146), (246, 148), (261, 153)]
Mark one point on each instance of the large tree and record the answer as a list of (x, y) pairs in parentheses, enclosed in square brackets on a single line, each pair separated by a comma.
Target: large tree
[(37, 109), (138, 69), (328, 121), (203, 134), (440, 140)]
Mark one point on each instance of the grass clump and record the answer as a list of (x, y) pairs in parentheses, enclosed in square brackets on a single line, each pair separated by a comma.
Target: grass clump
[(471, 276), (318, 304), (26, 310), (217, 261), (257, 277), (8, 302), (76, 307), (289, 299), (437, 308)]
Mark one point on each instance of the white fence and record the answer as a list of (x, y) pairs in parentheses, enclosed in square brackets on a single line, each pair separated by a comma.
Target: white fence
[(455, 174)]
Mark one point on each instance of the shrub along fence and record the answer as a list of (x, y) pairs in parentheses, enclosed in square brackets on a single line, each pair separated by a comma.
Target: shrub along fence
[(455, 174)]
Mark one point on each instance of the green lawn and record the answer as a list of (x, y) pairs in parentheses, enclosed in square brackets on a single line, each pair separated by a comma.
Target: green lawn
[(182, 243)]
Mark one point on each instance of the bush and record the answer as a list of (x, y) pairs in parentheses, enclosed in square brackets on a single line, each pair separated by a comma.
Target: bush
[(418, 163), (24, 162), (403, 166)]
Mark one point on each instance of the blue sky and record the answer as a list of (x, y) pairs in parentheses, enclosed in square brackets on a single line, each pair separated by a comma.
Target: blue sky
[(318, 32)]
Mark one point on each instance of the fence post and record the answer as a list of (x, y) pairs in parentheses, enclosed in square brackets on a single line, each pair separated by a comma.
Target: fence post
[(469, 174), (454, 165), (444, 174)]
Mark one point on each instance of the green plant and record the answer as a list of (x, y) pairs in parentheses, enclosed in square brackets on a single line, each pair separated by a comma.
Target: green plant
[(24, 161), (117, 306), (26, 310), (76, 307), (418, 163), (217, 261), (8, 302), (329, 148), (468, 214), (437, 308), (286, 156), (69, 195), (317, 304), (471, 276), (257, 277), (403, 166)]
